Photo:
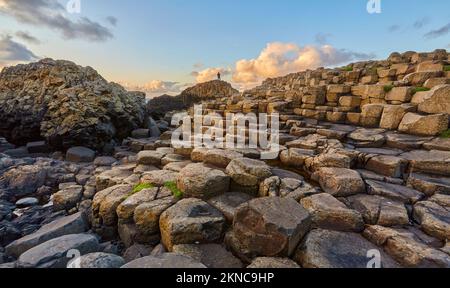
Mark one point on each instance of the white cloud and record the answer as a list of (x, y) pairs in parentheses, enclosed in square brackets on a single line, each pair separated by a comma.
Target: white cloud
[(52, 14), (12, 53), (278, 59), (157, 87), (210, 74)]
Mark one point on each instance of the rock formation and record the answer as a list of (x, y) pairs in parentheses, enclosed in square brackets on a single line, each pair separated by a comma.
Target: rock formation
[(351, 176), (67, 105), (158, 107), (211, 90), (216, 89)]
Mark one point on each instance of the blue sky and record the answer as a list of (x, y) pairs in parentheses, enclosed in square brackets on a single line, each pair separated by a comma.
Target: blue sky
[(168, 39)]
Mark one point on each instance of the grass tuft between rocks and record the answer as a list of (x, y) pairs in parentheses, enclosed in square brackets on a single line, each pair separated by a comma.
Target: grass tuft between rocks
[(347, 68), (446, 134), (447, 68), (138, 188), (141, 186), (420, 89), (388, 88), (172, 186)]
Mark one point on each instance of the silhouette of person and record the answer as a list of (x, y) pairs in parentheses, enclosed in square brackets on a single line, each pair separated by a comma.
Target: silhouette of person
[(218, 75)]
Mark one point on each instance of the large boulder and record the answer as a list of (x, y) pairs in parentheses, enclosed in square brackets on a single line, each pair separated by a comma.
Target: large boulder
[(329, 213), (67, 104), (393, 115), (190, 221), (340, 182), (436, 101), (25, 180), (150, 157), (147, 215), (270, 226), (67, 198), (201, 181), (424, 125), (64, 226), (333, 249), (220, 158), (55, 253), (248, 173)]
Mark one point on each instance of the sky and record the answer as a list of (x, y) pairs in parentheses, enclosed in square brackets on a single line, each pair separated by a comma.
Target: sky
[(164, 46)]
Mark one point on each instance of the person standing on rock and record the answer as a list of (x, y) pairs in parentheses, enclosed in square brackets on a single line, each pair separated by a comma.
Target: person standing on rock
[(218, 75)]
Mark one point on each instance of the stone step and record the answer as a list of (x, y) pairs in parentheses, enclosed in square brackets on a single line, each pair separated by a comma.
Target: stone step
[(432, 162), (394, 192), (429, 184)]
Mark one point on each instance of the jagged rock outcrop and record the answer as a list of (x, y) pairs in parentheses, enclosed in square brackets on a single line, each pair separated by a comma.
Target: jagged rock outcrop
[(370, 93), (334, 195), (67, 105), (215, 89), (159, 106)]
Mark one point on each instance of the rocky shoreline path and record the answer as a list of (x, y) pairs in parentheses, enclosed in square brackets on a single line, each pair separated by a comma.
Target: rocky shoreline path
[(365, 189)]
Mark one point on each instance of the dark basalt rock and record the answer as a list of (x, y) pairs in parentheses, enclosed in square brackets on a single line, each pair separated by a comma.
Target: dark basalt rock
[(66, 104)]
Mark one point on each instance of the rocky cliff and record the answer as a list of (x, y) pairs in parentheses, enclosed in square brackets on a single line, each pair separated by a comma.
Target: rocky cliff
[(206, 91), (409, 92), (159, 106), (211, 90), (333, 192), (66, 104)]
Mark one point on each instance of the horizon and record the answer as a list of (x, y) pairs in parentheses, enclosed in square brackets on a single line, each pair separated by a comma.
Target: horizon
[(247, 42)]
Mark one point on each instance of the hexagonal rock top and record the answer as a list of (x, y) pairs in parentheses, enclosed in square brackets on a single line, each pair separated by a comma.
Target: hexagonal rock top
[(201, 181), (329, 213), (150, 157), (332, 249), (248, 172), (190, 221), (270, 227), (220, 158), (340, 182)]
